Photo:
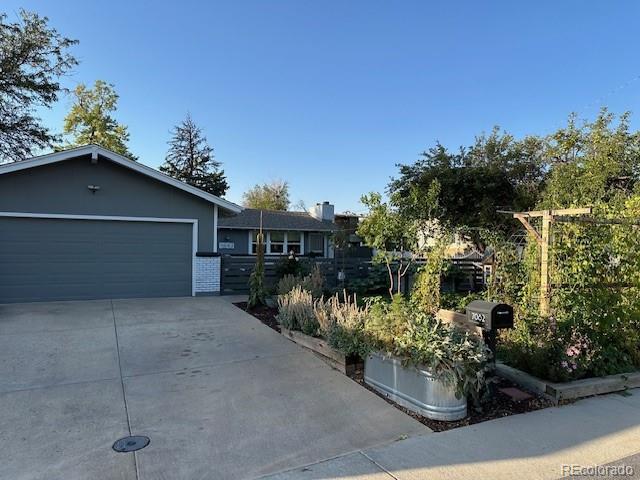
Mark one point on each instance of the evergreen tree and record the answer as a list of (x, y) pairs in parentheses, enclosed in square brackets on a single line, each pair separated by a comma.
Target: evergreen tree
[(190, 159)]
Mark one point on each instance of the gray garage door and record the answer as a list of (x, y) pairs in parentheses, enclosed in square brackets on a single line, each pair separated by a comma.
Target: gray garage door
[(52, 259)]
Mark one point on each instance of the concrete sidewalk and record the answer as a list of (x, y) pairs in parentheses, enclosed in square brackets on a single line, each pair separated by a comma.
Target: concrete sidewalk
[(594, 431)]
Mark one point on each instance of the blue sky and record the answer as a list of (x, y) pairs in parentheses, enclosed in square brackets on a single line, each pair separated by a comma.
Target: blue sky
[(330, 95)]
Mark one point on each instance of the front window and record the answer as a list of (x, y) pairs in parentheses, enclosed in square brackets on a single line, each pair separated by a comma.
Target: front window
[(276, 243), (254, 242), (294, 243)]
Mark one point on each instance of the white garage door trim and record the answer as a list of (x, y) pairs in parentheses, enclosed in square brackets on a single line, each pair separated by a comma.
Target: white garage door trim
[(63, 216)]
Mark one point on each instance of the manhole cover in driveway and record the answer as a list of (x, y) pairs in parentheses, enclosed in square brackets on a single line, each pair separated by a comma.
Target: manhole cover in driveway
[(131, 444)]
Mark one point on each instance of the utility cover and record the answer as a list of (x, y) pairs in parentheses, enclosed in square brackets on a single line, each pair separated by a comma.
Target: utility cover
[(131, 444)]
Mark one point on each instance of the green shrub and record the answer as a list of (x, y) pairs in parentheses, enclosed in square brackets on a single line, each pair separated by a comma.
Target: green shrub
[(451, 354), (342, 322), (388, 321), (376, 282), (295, 311), (457, 301), (287, 283), (313, 283), (292, 265)]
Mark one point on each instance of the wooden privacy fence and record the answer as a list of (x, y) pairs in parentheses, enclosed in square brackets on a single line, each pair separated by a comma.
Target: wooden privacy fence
[(235, 271)]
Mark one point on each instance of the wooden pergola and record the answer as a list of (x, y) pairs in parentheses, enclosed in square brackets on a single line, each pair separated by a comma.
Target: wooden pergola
[(544, 238)]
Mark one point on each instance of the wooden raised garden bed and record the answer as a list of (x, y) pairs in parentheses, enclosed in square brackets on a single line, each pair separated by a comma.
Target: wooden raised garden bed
[(335, 359), (585, 387)]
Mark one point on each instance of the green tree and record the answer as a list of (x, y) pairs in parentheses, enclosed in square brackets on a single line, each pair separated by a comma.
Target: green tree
[(597, 162), (190, 159), (393, 236), (463, 190), (33, 57), (269, 196), (90, 120)]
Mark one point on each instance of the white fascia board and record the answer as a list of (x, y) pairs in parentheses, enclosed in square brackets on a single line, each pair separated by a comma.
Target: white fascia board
[(95, 150)]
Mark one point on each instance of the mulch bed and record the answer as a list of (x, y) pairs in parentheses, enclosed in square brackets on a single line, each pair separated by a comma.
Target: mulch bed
[(266, 315), (499, 405)]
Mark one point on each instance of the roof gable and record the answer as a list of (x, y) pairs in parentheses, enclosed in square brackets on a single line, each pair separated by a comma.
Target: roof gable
[(95, 150)]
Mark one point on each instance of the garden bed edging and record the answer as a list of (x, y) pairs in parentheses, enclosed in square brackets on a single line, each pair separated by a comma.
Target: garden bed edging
[(414, 388), (573, 390), (334, 358)]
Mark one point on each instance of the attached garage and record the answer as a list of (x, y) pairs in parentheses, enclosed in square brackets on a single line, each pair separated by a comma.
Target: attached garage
[(136, 235)]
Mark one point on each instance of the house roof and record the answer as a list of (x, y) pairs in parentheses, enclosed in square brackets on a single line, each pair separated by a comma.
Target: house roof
[(95, 150), (249, 219)]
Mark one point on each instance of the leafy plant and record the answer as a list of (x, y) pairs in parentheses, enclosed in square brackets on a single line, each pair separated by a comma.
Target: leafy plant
[(451, 354), (295, 311), (425, 294), (387, 321), (313, 283), (376, 281), (393, 236), (287, 283), (343, 324), (291, 265), (418, 338), (257, 289), (458, 301)]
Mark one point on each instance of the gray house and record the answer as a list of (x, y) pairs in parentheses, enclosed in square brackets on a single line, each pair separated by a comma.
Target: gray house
[(88, 223), (303, 233)]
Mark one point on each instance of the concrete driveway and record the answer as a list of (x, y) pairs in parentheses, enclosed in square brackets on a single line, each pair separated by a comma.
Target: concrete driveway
[(220, 395)]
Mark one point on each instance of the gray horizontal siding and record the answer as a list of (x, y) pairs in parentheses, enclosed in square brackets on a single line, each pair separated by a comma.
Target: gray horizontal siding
[(62, 188)]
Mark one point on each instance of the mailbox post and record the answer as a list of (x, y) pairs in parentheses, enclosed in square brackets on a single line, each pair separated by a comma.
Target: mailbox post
[(491, 317)]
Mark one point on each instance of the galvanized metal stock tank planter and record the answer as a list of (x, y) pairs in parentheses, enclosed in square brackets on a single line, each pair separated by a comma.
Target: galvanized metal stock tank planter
[(414, 388)]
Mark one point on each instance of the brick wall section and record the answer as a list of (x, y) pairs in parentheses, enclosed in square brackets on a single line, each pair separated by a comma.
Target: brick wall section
[(207, 274)]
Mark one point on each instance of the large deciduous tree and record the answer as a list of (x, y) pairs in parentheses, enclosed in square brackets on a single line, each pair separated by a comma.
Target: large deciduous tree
[(33, 57), (190, 159), (465, 189), (269, 196), (91, 120)]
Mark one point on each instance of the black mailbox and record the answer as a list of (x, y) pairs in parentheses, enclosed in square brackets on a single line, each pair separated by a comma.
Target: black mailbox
[(490, 315)]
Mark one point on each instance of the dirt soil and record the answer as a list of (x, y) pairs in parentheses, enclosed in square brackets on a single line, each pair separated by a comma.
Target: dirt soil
[(498, 405), (266, 315)]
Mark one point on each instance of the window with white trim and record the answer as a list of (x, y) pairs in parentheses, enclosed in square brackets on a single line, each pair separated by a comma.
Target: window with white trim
[(294, 242), (254, 243), (278, 242)]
